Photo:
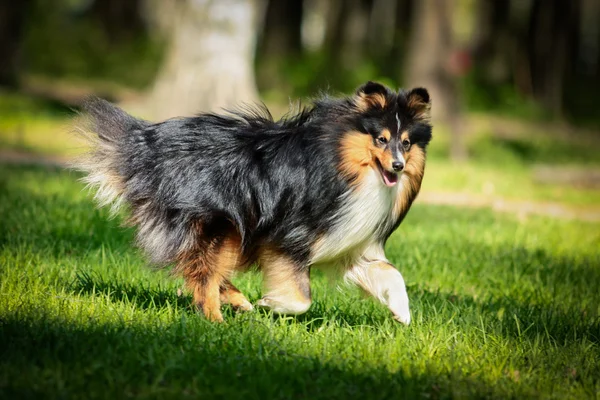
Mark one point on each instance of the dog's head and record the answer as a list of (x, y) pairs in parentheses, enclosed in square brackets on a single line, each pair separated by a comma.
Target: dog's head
[(390, 132)]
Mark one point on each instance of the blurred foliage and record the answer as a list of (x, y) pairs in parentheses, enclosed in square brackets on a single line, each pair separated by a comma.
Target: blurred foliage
[(17, 106), (63, 41), (305, 76), (518, 151), (503, 98)]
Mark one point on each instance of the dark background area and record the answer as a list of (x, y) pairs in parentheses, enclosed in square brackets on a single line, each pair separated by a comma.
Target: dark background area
[(533, 58)]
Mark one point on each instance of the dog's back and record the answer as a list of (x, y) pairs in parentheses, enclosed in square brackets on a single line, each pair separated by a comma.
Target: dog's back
[(243, 170)]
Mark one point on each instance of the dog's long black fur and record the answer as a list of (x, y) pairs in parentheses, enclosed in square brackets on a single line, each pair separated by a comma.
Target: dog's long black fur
[(193, 180)]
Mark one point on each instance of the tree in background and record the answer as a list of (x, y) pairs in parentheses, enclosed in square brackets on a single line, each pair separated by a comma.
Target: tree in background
[(209, 59), (280, 42), (432, 62), (121, 19)]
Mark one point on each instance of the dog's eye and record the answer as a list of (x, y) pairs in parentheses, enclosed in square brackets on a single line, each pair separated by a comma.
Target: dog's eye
[(382, 140), (406, 143)]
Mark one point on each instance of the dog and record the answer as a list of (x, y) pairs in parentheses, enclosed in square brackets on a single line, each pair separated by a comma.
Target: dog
[(216, 193)]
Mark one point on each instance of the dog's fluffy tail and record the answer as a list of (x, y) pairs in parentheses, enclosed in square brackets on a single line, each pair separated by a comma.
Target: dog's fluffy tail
[(104, 128)]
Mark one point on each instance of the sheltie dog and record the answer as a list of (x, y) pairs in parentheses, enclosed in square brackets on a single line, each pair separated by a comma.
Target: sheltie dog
[(214, 194)]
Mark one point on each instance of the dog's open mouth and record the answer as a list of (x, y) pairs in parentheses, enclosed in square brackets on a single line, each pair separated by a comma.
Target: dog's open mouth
[(389, 178)]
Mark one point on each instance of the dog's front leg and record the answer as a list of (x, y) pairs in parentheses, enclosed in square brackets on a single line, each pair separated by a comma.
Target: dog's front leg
[(287, 284), (377, 276)]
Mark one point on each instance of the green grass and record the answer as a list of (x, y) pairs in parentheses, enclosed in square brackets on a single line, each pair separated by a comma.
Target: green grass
[(501, 308), (511, 182), (35, 126), (505, 167)]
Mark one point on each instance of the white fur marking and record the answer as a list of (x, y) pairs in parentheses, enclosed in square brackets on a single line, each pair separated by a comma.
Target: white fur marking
[(401, 158), (399, 124), (385, 284), (362, 213), (284, 306)]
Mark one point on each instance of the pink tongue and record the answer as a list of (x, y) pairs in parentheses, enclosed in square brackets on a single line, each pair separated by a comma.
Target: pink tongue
[(389, 178)]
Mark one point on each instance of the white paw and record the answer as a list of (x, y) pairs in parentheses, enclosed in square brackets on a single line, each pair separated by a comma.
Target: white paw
[(397, 301), (245, 306), (401, 311), (263, 303), (289, 307)]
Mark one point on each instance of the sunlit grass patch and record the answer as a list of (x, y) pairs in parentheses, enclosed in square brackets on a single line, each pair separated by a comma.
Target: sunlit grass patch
[(35, 126)]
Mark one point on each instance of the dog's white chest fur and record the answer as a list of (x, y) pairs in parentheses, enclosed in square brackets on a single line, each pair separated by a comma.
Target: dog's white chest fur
[(363, 213)]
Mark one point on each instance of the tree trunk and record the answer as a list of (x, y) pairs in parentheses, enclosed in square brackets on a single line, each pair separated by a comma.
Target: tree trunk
[(490, 41), (551, 27), (382, 24), (209, 62), (347, 32), (120, 19), (430, 51), (283, 23), (281, 41)]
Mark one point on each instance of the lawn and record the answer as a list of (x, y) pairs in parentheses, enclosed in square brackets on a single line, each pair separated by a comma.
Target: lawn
[(502, 307)]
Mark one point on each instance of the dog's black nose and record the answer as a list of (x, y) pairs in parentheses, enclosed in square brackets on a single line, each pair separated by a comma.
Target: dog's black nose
[(398, 165)]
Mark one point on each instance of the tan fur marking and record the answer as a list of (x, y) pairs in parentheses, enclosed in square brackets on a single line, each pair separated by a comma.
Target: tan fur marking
[(412, 177), (359, 153), (207, 298), (364, 281), (356, 155), (229, 256), (385, 158), (420, 109), (365, 102), (403, 136), (207, 268), (386, 134), (285, 285), (232, 295)]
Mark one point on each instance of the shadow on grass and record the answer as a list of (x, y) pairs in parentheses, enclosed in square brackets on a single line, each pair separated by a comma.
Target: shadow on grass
[(143, 297), (185, 360)]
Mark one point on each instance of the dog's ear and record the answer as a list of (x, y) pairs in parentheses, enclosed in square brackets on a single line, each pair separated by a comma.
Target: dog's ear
[(419, 103), (371, 88), (371, 95)]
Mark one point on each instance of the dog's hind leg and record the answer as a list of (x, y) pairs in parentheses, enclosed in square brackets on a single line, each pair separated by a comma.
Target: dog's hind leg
[(207, 269), (378, 277), (287, 284), (232, 295)]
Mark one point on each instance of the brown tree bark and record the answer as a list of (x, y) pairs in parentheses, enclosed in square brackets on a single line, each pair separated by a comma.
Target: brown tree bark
[(347, 31), (281, 41), (430, 49), (120, 19), (382, 24), (552, 25), (491, 39), (210, 58)]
